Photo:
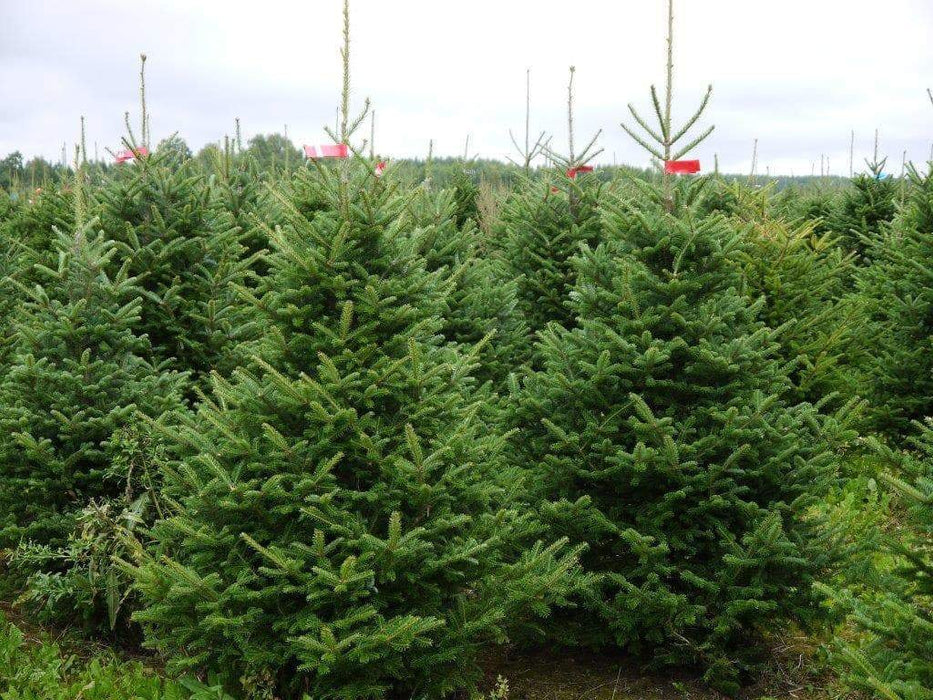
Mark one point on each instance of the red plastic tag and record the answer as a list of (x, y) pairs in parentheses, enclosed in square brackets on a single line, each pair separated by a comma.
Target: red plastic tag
[(572, 173), (682, 167), (337, 150), (124, 156)]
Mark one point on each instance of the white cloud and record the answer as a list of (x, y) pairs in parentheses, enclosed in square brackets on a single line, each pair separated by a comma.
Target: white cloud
[(798, 75)]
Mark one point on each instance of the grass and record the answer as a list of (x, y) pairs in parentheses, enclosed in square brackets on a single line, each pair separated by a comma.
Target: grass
[(39, 663), (35, 665)]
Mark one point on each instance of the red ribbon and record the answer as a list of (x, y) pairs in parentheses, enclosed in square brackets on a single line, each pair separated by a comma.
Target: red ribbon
[(338, 150), (682, 167), (124, 156), (572, 173)]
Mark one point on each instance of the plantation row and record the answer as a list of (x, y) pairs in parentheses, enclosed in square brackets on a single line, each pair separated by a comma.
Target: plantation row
[(331, 433)]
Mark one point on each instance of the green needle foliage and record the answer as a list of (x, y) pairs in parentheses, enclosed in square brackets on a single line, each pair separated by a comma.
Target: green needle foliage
[(184, 248), (77, 374), (865, 209), (541, 231), (482, 298), (657, 432), (804, 279), (894, 657), (543, 223), (897, 289), (344, 525)]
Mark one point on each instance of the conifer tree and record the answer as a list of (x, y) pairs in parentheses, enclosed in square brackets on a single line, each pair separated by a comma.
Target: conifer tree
[(866, 208), (344, 523), (77, 374), (544, 222), (345, 527), (238, 191), (481, 297), (804, 280), (185, 250), (32, 224), (657, 432), (897, 375), (11, 267), (893, 659), (464, 188), (465, 194)]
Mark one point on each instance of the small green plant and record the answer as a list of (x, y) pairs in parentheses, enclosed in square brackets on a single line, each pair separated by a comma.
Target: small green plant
[(40, 670)]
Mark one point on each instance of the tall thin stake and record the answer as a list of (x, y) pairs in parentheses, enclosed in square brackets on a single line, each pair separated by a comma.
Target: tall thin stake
[(142, 99), (573, 70), (852, 155), (79, 190), (754, 160), (83, 142), (345, 56), (529, 152), (661, 140)]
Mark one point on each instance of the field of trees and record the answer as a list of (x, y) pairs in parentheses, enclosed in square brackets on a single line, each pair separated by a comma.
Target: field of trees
[(347, 426)]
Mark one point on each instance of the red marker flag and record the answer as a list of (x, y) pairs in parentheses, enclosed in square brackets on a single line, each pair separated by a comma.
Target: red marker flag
[(126, 155), (572, 173), (682, 167), (338, 150)]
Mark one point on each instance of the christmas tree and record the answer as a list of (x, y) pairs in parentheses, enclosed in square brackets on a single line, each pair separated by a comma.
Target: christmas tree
[(238, 191), (185, 249), (897, 375), (866, 208), (482, 306), (664, 442), (344, 525), (657, 431), (804, 279), (894, 657), (76, 375), (543, 224)]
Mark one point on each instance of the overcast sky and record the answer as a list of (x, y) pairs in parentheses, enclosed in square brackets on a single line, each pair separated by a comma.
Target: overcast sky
[(798, 75)]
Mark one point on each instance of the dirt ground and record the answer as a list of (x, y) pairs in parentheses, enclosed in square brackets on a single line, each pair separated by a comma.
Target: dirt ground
[(562, 675), (554, 675)]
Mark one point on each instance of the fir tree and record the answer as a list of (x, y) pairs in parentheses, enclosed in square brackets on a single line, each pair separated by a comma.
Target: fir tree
[(345, 523), (657, 432), (804, 279), (344, 527), (541, 230), (893, 659), (543, 224), (866, 208), (465, 194), (239, 192), (897, 376), (77, 374), (32, 225), (185, 250), (482, 299)]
